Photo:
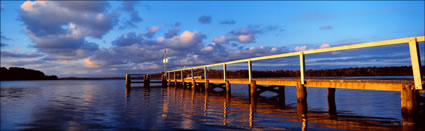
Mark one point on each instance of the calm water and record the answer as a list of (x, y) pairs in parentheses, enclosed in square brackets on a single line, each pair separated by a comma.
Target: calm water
[(106, 104)]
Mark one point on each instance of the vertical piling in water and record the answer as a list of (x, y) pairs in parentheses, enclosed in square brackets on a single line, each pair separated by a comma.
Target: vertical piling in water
[(252, 88), (146, 81), (207, 83), (281, 93), (228, 89), (183, 84), (301, 98), (168, 81), (193, 84), (409, 105), (331, 101), (127, 80), (182, 77), (163, 82)]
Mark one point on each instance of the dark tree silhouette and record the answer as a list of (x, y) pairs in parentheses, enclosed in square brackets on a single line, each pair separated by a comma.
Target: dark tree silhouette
[(17, 73)]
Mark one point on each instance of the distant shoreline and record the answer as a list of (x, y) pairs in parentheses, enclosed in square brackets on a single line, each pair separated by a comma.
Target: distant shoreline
[(76, 78)]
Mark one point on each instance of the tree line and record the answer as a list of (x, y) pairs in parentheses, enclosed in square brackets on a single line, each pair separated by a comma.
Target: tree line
[(17, 73)]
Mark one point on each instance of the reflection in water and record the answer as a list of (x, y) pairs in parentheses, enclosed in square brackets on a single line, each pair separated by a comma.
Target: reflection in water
[(80, 105)]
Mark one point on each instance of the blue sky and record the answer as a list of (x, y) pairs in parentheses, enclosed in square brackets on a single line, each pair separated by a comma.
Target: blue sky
[(88, 39)]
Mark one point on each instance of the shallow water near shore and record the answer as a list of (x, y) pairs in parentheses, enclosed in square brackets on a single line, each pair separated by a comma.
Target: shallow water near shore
[(107, 104)]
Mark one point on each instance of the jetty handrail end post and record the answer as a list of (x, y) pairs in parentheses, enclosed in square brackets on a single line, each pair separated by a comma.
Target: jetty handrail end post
[(249, 70), (302, 69), (181, 71), (191, 73), (416, 63), (224, 72), (205, 73)]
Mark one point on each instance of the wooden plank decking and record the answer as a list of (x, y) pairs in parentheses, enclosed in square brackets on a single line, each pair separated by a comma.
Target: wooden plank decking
[(385, 85)]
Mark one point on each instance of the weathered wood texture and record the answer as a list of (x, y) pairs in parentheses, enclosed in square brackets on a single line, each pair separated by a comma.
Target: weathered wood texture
[(253, 88), (228, 89), (385, 85), (409, 104), (331, 101), (301, 98)]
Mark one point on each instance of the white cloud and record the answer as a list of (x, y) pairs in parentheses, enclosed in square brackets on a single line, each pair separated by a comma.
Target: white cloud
[(246, 38), (301, 48), (325, 45), (220, 39), (90, 64)]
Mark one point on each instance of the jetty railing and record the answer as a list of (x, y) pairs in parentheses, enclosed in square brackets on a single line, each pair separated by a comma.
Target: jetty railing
[(409, 90), (141, 78), (413, 49)]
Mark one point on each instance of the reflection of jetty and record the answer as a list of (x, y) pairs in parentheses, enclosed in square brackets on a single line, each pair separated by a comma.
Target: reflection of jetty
[(411, 109), (224, 109)]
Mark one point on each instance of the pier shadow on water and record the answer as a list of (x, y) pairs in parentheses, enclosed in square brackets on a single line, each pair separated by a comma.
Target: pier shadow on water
[(76, 105)]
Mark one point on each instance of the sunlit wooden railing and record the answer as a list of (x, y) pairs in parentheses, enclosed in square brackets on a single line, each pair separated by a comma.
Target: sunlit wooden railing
[(413, 48)]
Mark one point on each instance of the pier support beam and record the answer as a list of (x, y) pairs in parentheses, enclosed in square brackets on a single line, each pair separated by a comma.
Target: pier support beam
[(228, 89), (281, 93), (252, 88), (301, 98), (163, 81), (331, 101), (207, 84), (169, 82), (183, 84), (127, 81), (409, 105), (146, 81), (193, 84)]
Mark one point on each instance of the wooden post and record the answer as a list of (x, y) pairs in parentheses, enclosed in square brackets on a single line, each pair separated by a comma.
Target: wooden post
[(205, 73), (416, 63), (127, 80), (282, 95), (228, 89), (224, 72), (331, 101), (253, 88), (191, 73), (302, 69), (249, 70), (174, 75), (146, 81), (301, 98), (163, 82), (182, 77), (409, 105), (169, 82), (207, 83), (193, 84), (149, 81)]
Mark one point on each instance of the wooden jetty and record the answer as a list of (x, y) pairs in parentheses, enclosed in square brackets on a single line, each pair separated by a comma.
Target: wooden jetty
[(141, 78), (410, 90)]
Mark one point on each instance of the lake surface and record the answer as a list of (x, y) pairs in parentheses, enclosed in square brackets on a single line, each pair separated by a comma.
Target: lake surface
[(107, 104)]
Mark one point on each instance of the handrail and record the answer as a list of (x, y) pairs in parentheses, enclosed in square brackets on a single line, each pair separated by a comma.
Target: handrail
[(136, 74), (413, 52)]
